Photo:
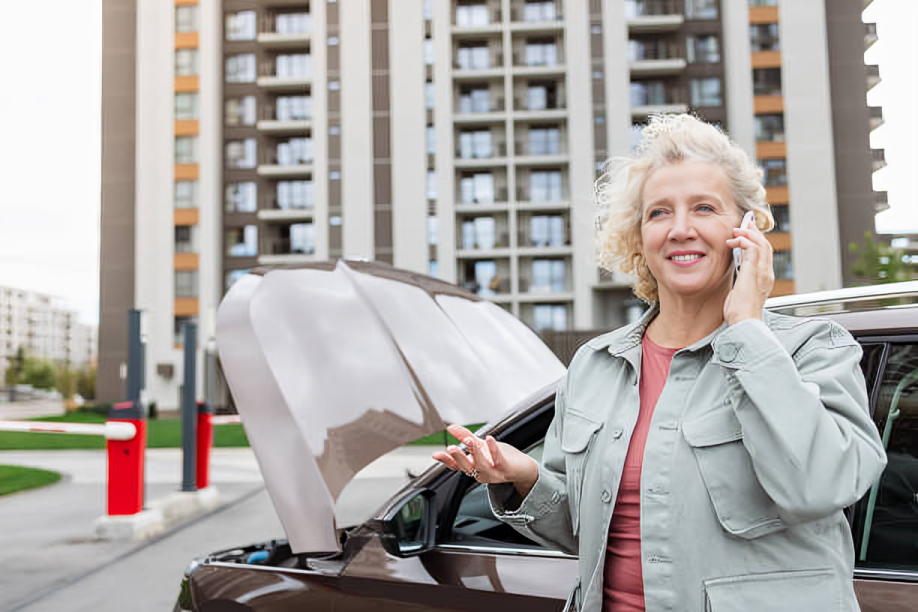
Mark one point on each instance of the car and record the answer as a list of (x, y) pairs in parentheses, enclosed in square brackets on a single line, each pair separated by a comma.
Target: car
[(427, 353)]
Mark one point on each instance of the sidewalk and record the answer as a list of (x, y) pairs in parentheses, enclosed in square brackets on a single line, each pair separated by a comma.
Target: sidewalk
[(30, 410), (48, 533)]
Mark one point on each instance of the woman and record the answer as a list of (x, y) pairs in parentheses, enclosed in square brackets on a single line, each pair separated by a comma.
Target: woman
[(700, 458)]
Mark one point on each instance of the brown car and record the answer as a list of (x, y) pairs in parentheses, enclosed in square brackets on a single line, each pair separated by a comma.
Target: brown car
[(322, 358)]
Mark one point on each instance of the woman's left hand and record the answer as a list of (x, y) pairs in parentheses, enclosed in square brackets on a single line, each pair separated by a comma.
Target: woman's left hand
[(755, 279)]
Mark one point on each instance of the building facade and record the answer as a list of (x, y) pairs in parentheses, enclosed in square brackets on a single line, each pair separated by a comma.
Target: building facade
[(458, 138), (43, 328)]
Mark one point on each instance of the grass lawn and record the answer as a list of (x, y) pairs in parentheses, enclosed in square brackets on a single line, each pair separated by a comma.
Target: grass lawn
[(14, 478), (165, 433)]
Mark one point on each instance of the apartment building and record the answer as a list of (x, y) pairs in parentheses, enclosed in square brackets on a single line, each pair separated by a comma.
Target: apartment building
[(43, 328), (458, 138)]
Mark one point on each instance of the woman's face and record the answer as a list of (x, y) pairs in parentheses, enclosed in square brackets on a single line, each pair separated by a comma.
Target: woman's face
[(687, 217)]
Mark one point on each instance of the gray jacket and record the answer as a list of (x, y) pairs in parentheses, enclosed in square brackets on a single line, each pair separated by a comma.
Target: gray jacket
[(760, 438)]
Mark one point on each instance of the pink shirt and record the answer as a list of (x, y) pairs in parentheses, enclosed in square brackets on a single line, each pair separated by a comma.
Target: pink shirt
[(623, 587)]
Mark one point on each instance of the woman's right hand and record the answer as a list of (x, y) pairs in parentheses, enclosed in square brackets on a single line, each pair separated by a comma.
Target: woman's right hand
[(495, 462)]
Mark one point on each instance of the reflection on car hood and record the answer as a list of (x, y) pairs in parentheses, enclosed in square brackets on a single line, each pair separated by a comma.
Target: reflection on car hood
[(334, 364)]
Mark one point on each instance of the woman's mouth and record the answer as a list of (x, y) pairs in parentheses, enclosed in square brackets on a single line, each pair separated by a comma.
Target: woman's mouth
[(685, 260)]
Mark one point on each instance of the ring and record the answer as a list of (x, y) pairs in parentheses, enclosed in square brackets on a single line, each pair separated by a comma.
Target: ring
[(472, 473)]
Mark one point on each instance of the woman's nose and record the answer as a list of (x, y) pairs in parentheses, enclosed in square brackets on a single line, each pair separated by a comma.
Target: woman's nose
[(682, 228)]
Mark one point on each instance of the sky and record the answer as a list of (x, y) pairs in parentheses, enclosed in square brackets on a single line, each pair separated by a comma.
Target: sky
[(50, 158)]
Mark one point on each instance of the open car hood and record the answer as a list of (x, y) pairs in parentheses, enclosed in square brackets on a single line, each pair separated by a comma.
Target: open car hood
[(333, 364)]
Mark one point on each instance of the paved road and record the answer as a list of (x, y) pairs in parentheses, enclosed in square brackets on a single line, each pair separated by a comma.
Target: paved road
[(51, 562)]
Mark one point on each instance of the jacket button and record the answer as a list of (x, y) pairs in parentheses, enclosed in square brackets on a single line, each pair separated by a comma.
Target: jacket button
[(727, 352), (617, 433), (606, 496)]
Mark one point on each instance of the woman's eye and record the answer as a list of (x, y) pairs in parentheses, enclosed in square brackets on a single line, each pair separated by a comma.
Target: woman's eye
[(655, 213), (706, 208)]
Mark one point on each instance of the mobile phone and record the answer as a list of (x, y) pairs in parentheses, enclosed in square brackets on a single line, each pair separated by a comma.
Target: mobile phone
[(747, 222)]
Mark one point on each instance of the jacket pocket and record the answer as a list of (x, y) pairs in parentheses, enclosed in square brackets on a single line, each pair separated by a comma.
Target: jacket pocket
[(576, 438), (742, 506), (774, 592)]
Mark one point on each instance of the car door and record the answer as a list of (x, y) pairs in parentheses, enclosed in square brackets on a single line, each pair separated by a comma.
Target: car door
[(885, 521)]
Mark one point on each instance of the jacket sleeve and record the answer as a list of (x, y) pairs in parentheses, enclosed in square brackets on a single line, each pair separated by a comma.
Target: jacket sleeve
[(806, 424), (544, 514)]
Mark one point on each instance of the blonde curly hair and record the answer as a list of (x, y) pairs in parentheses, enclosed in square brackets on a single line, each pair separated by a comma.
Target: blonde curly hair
[(666, 139)]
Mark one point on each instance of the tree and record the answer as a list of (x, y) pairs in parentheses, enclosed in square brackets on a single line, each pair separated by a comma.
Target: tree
[(65, 381), (38, 373), (86, 382), (877, 262)]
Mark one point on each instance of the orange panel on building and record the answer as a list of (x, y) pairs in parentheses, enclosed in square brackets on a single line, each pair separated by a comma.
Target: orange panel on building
[(763, 14), (783, 286), (776, 195), (186, 84), (186, 261), (185, 307), (186, 40), (766, 59), (186, 216), (765, 104), (187, 127), (780, 241), (181, 2), (186, 172), (770, 150)]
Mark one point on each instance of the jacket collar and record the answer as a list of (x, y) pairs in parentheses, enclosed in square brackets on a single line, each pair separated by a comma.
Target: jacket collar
[(628, 337)]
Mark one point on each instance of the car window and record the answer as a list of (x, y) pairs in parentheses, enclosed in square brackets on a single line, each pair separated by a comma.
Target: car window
[(476, 524), (871, 362), (886, 524)]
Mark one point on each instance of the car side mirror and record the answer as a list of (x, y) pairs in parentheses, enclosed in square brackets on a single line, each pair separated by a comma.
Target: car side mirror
[(411, 525)]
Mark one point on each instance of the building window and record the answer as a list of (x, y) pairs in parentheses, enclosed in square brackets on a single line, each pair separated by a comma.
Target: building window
[(431, 184), (487, 281), (293, 23), (293, 66), (185, 239), (186, 62), (186, 283), (477, 188), (766, 81), (545, 186), (546, 231), (186, 194), (472, 15), (429, 95), (294, 152), (763, 2), (782, 218), (178, 328), (241, 197), (241, 111), (775, 172), (701, 9), (705, 92), (544, 141), (303, 238), (541, 53), (241, 153), (433, 268), (764, 37), (186, 106), (702, 49), (186, 149), (293, 108), (648, 93), (549, 316), (475, 100), (479, 233), (186, 18), (240, 68), (473, 57), (428, 52), (427, 10), (769, 128), (431, 140), (295, 194), (547, 276), (539, 10), (783, 264), (242, 241), (475, 145), (433, 233), (240, 26)]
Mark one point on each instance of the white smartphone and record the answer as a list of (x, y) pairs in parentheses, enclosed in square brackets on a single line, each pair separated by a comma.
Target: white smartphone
[(747, 222)]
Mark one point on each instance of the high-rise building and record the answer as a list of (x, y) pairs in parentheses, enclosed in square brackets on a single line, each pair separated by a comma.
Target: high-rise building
[(459, 138)]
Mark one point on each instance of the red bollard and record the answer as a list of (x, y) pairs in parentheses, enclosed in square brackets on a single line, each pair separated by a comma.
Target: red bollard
[(125, 462), (203, 444)]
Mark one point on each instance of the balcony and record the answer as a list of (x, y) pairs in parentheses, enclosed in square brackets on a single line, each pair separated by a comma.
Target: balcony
[(660, 59), (876, 117), (878, 159), (268, 167), (492, 111), (870, 35), (269, 124), (536, 17), (483, 158), (873, 76), (497, 290), (671, 100), (654, 15), (290, 72), (281, 250), (882, 201), (527, 153), (486, 205), (287, 40), (479, 67), (270, 210), (477, 19), (548, 63)]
